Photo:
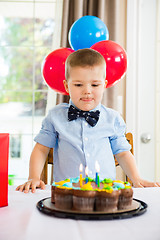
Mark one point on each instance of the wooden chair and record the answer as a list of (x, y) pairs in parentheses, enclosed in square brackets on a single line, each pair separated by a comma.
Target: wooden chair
[(49, 161), (129, 138)]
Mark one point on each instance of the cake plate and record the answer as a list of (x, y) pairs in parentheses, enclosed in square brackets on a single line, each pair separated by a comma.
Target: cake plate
[(137, 208)]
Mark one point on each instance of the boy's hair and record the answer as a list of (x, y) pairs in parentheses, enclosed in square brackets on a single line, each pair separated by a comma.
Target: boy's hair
[(86, 57)]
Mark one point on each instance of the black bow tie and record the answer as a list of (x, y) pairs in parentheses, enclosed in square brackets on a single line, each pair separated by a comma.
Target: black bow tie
[(91, 117)]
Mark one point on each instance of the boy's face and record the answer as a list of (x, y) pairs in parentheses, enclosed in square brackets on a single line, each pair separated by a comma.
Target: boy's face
[(86, 86)]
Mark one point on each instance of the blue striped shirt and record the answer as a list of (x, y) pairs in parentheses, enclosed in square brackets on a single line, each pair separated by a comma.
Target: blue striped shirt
[(77, 142)]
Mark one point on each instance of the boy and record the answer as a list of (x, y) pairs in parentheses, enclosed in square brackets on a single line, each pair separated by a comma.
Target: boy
[(83, 131)]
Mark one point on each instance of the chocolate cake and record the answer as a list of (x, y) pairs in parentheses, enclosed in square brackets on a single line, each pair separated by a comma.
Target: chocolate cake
[(63, 198), (107, 201), (108, 196), (83, 200), (126, 194), (125, 198)]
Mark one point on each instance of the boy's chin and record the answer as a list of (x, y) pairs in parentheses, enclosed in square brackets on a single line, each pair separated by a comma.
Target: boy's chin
[(87, 107)]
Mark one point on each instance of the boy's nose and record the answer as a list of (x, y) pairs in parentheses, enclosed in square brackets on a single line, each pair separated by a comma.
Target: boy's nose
[(87, 89)]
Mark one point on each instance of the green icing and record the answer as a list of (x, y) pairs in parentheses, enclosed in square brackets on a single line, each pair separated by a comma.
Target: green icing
[(90, 179), (106, 187), (107, 180)]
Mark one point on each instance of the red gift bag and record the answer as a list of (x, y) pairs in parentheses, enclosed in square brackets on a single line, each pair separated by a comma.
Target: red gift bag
[(4, 149)]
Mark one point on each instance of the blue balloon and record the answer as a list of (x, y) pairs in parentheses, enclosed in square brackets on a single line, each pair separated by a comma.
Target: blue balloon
[(87, 31)]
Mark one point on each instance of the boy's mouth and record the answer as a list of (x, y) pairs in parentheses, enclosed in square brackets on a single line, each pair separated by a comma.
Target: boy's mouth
[(87, 99)]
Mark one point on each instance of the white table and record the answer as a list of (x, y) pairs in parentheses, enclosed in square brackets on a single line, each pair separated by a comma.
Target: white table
[(21, 220)]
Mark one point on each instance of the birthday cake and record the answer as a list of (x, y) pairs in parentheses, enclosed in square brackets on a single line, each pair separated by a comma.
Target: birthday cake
[(88, 196)]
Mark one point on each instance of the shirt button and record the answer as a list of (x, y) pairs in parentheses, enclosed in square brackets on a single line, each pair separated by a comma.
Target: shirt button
[(86, 124), (88, 155), (86, 139)]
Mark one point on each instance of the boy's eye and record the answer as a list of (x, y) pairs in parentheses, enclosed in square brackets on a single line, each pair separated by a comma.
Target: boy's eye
[(95, 85), (78, 85)]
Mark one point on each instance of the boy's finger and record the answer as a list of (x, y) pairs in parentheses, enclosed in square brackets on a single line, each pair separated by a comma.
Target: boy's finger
[(33, 189), (21, 187), (151, 184), (42, 184), (158, 183), (17, 188), (27, 187)]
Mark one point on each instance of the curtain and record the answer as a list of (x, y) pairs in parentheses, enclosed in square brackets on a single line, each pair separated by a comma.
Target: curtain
[(113, 14), (52, 95)]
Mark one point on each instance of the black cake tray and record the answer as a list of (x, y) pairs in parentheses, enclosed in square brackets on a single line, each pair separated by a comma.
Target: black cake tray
[(138, 208)]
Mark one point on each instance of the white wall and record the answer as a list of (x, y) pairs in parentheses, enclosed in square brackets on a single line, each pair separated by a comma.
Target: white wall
[(141, 91), (157, 93)]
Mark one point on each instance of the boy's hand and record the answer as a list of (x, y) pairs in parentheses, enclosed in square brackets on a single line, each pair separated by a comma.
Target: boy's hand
[(140, 183), (31, 184)]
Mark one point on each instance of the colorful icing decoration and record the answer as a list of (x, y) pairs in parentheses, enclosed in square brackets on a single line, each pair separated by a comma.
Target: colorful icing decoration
[(127, 187), (107, 180), (62, 182), (115, 188), (118, 181), (76, 188), (109, 184), (87, 186), (118, 184), (108, 188), (127, 183), (63, 187), (74, 180), (90, 179), (67, 184)]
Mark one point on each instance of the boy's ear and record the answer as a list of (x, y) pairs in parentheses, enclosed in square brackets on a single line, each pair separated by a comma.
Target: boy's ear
[(66, 85)]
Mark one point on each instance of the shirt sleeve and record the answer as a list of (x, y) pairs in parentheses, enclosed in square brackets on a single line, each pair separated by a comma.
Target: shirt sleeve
[(47, 135), (119, 142)]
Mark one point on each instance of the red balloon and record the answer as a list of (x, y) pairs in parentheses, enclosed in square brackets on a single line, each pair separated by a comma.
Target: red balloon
[(53, 69), (116, 60)]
